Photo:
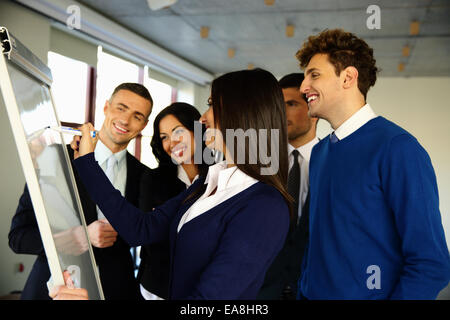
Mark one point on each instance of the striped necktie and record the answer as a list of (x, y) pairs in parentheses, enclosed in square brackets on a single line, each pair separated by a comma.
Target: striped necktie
[(294, 183)]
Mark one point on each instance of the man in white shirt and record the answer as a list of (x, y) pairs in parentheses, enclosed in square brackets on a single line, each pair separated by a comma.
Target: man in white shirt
[(281, 278), (126, 115)]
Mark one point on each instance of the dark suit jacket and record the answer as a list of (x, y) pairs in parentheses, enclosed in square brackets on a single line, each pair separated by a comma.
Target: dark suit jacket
[(115, 263), (286, 268), (157, 186)]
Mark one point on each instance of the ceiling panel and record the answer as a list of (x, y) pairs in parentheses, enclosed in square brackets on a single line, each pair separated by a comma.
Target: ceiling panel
[(257, 31)]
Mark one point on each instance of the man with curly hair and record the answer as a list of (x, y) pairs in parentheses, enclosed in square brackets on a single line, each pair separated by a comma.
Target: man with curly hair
[(375, 225)]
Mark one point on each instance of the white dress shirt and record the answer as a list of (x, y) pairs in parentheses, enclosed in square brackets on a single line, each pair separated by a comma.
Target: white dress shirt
[(303, 160), (101, 155), (228, 181), (356, 121)]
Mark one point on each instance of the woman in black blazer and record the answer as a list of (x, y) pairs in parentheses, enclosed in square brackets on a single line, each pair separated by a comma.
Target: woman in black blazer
[(172, 128)]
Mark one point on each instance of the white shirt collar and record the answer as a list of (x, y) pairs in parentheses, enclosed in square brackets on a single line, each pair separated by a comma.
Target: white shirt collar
[(229, 182), (356, 121), (304, 150), (102, 153), (182, 175), (223, 178)]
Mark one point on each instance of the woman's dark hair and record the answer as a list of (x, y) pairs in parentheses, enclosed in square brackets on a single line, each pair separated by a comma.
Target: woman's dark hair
[(187, 115), (253, 99)]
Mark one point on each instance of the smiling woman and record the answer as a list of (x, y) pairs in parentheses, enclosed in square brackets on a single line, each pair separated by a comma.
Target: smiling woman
[(173, 146)]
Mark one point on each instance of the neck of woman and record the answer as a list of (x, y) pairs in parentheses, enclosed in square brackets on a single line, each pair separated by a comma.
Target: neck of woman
[(191, 170)]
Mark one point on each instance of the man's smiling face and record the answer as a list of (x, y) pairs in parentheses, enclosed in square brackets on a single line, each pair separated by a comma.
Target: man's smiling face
[(126, 114)]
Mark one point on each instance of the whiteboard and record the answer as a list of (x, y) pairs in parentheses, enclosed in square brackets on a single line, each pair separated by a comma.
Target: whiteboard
[(25, 84)]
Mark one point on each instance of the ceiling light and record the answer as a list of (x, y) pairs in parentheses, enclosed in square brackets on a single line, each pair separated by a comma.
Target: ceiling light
[(269, 2), (414, 28), (204, 32), (160, 4), (401, 67), (231, 53), (250, 66), (405, 51), (290, 29)]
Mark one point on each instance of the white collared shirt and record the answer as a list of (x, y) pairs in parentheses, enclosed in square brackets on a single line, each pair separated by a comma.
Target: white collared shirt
[(228, 181), (303, 160), (101, 155), (356, 121)]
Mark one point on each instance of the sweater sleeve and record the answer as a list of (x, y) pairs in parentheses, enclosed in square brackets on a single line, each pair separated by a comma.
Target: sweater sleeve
[(133, 225), (253, 237), (410, 187)]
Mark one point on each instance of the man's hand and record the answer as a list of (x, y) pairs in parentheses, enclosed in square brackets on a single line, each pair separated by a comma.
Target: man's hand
[(84, 144), (102, 234), (72, 241)]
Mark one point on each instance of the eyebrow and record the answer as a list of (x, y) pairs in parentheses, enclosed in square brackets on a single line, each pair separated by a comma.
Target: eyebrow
[(176, 127), (127, 107), (160, 133), (303, 97), (311, 70)]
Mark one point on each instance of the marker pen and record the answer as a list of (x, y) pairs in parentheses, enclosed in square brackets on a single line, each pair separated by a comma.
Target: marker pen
[(72, 131)]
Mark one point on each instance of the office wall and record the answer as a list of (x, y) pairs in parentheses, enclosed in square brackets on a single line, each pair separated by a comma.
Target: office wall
[(422, 107), (35, 35), (201, 97)]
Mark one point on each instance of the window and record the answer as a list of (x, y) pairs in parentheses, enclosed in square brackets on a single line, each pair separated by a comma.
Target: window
[(162, 97), (112, 71), (69, 87)]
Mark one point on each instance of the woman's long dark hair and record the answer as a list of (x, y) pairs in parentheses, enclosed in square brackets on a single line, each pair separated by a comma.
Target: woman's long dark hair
[(253, 99), (187, 115)]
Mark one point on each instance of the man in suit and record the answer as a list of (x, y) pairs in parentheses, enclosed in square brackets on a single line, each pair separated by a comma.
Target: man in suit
[(126, 115), (281, 278)]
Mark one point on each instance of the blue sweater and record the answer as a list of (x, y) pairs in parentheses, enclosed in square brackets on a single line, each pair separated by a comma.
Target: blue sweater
[(375, 225), (222, 254)]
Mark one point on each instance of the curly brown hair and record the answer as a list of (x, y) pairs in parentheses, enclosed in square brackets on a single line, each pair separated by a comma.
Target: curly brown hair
[(344, 49)]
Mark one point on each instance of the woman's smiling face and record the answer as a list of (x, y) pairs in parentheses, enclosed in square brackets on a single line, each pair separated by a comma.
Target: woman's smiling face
[(177, 141)]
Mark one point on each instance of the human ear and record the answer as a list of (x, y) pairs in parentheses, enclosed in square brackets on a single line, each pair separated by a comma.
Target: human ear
[(350, 77), (106, 106)]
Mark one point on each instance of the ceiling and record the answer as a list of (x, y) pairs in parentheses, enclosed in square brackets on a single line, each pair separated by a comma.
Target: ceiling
[(257, 32)]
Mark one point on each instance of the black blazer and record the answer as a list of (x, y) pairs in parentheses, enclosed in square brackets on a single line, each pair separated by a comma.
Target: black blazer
[(157, 186), (286, 268), (115, 263)]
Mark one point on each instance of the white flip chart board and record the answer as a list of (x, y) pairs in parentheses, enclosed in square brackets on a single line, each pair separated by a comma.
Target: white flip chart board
[(25, 84)]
